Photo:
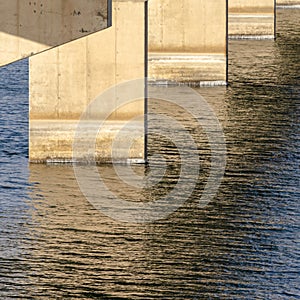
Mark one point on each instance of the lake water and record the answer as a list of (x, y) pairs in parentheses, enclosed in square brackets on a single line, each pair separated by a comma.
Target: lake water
[(243, 245)]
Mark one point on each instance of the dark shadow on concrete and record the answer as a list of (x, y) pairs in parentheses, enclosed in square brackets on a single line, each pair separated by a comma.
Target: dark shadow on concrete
[(49, 23)]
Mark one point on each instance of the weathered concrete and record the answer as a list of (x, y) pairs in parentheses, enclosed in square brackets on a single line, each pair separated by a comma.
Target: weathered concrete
[(28, 27), (251, 18), (187, 41), (64, 80), (290, 3)]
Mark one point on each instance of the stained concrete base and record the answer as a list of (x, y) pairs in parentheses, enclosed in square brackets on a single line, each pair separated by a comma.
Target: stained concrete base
[(188, 68), (256, 26), (52, 142)]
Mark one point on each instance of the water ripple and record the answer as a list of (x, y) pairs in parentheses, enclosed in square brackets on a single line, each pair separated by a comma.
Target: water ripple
[(243, 245)]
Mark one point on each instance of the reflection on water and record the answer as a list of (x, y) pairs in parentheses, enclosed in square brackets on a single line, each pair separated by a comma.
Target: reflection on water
[(243, 245)]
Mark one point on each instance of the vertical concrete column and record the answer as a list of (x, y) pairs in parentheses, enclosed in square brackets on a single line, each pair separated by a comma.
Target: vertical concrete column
[(251, 18), (64, 80), (187, 41)]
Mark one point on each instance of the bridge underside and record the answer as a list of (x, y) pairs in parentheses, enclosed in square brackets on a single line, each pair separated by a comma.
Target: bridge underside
[(29, 27)]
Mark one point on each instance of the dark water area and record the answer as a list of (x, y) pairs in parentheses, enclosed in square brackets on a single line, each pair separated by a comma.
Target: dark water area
[(243, 245)]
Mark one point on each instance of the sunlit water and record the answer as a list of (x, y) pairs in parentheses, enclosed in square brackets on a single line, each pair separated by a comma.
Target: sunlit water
[(243, 245)]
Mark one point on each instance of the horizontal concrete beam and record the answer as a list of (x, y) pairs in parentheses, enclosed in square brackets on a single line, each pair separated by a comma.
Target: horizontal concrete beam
[(28, 27)]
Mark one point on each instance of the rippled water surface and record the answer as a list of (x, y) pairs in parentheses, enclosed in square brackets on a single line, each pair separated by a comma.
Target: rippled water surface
[(243, 245)]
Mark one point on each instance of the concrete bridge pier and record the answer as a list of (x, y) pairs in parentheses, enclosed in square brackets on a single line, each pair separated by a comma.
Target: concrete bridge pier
[(187, 41), (64, 80), (251, 19)]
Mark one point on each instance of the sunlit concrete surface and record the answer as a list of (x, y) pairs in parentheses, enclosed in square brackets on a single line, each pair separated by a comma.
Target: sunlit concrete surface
[(66, 79), (251, 19), (51, 141), (187, 41)]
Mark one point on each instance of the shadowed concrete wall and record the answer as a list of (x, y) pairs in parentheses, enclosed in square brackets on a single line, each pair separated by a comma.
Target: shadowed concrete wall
[(64, 80), (251, 18), (28, 27), (187, 41)]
